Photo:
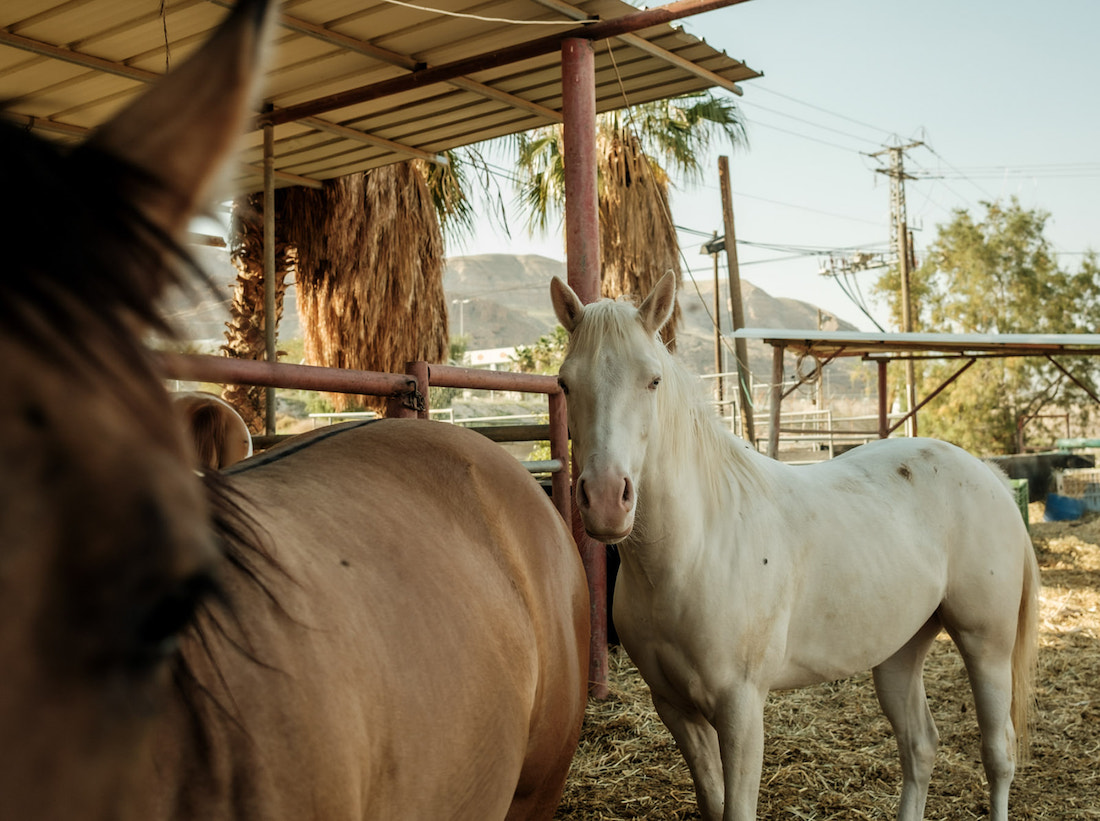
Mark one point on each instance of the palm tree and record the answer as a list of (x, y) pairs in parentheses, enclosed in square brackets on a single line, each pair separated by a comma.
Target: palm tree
[(369, 266), (370, 273), (244, 332), (637, 237)]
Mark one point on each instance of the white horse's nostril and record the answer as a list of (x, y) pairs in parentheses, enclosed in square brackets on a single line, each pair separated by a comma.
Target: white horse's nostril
[(628, 492)]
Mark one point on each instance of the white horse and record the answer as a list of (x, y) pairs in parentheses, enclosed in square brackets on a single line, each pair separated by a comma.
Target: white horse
[(742, 575)]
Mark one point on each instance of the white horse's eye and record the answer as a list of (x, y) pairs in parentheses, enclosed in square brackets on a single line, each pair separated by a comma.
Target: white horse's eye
[(656, 381)]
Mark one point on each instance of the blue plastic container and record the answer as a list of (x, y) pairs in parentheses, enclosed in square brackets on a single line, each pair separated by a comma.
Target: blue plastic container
[(1062, 508)]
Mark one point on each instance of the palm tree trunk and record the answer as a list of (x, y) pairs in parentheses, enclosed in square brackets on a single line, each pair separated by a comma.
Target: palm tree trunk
[(244, 334)]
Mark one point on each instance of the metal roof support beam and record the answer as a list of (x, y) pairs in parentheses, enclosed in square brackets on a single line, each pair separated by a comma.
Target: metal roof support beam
[(144, 76), (76, 57), (931, 396), (1073, 378), (286, 176), (494, 59), (51, 126), (404, 61), (642, 44), (371, 139)]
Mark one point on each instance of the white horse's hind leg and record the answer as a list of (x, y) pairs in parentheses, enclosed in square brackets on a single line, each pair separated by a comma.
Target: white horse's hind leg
[(989, 667), (900, 690)]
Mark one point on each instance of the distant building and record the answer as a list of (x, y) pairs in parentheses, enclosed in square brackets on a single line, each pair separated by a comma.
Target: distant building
[(490, 358)]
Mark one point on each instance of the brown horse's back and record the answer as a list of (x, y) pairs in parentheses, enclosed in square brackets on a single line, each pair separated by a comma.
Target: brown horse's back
[(419, 652)]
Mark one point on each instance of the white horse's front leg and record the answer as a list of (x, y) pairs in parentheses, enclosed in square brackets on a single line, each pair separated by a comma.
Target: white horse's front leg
[(698, 743), (740, 725)]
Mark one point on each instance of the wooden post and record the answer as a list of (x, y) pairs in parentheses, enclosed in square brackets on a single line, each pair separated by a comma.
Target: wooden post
[(582, 261), (776, 400), (269, 269), (719, 394), (740, 347)]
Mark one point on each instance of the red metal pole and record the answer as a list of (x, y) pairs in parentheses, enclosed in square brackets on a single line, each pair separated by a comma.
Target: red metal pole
[(419, 372), (559, 449), (221, 369), (582, 263), (582, 226), (451, 376)]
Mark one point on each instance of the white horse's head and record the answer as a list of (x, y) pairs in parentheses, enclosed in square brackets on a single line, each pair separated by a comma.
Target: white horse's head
[(611, 375)]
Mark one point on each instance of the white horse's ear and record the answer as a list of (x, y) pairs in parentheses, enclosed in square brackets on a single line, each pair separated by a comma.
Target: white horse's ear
[(567, 305), (656, 309), (184, 129)]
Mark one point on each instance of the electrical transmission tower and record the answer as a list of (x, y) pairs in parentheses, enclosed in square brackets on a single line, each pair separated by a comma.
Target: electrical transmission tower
[(899, 223)]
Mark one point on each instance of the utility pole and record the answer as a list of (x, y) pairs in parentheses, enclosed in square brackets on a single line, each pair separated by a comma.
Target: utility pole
[(740, 348), (713, 248), (899, 223)]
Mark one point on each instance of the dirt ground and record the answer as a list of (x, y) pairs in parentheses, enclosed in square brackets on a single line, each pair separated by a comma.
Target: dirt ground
[(830, 754)]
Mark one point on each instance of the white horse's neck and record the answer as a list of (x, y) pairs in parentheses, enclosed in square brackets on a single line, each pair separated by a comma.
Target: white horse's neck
[(695, 469)]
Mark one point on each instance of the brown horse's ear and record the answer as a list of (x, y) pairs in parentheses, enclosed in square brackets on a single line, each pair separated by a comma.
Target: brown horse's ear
[(183, 130), (567, 305), (656, 309)]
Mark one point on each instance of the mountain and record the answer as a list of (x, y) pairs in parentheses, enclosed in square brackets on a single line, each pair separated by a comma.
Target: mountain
[(500, 300), (503, 300)]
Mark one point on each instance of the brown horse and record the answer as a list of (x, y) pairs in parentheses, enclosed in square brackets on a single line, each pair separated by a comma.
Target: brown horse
[(383, 620), (219, 434)]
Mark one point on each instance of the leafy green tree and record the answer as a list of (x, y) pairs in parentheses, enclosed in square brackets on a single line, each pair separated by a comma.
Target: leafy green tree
[(997, 274), (445, 397), (546, 355)]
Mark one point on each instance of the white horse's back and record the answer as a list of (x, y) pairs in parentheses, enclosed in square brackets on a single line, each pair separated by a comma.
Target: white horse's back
[(883, 523)]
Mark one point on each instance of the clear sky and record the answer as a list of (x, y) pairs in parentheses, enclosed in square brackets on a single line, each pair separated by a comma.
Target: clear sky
[(1004, 93)]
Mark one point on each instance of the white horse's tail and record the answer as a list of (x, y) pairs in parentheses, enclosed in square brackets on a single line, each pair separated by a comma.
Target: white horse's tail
[(1025, 654)]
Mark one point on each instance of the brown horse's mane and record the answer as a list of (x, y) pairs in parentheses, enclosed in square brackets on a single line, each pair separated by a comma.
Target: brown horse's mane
[(79, 293)]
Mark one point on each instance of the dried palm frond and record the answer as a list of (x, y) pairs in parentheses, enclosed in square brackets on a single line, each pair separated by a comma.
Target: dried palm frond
[(637, 237), (370, 273)]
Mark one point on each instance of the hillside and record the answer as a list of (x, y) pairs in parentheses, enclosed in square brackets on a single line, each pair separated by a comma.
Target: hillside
[(502, 300)]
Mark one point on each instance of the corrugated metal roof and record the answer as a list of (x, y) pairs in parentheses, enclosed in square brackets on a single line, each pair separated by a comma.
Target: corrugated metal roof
[(67, 66), (831, 344)]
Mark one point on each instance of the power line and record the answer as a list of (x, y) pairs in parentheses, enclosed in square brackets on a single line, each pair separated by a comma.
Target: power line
[(935, 153), (764, 88), (807, 208), (752, 104), (803, 136)]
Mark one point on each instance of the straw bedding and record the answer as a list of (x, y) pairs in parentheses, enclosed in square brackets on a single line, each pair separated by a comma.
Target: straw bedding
[(830, 754)]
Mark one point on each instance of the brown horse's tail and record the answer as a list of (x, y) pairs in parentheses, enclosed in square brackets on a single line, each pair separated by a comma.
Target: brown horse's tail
[(1025, 654), (208, 429)]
